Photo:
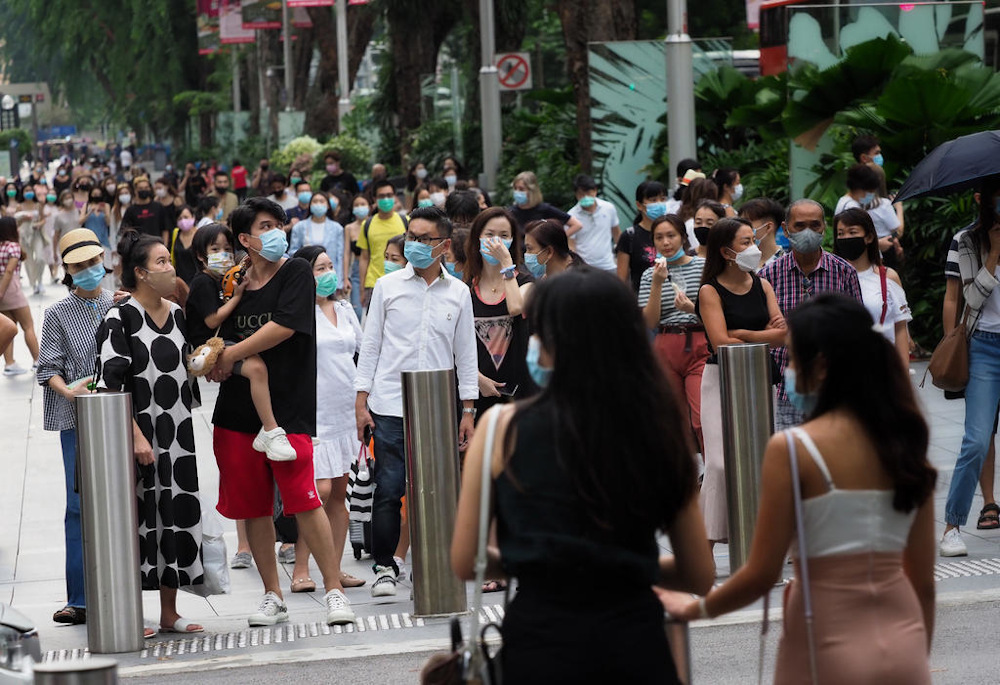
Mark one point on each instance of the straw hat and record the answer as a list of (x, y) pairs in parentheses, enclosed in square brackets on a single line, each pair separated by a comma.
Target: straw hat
[(691, 175), (79, 245)]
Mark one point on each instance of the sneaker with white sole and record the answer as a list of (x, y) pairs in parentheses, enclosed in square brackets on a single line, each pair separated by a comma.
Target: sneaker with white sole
[(271, 611), (241, 560), (952, 545), (14, 370), (385, 582), (275, 444), (286, 555), (338, 609)]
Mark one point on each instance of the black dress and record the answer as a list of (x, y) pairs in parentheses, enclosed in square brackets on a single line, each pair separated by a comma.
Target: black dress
[(549, 543), (502, 345)]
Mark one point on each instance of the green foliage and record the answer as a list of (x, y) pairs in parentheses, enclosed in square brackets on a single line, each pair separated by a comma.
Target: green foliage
[(354, 154), (197, 102), (281, 160), (544, 142), (23, 138)]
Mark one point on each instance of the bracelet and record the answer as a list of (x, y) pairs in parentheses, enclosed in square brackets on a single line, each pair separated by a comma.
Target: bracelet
[(469, 410), (702, 609)]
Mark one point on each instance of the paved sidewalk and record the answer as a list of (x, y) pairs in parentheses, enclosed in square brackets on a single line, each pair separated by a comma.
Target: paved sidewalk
[(32, 560)]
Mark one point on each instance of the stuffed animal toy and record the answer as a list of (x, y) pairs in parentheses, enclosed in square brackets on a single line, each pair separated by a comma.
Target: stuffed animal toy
[(203, 359)]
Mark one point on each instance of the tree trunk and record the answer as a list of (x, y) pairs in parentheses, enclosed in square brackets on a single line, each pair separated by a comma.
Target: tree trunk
[(252, 82), (584, 21)]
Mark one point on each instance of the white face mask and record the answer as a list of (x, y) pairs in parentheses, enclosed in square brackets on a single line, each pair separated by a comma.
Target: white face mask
[(749, 259), (438, 199), (737, 192)]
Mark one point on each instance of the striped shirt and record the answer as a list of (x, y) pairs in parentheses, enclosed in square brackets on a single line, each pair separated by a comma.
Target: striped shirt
[(951, 268), (792, 288), (979, 285), (688, 278), (68, 348)]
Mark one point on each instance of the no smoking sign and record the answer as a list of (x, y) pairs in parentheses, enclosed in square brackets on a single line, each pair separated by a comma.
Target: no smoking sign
[(514, 71)]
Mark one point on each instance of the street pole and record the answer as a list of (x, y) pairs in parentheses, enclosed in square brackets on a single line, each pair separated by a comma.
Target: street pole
[(344, 102), (287, 33), (236, 98), (456, 115), (680, 87), (489, 93)]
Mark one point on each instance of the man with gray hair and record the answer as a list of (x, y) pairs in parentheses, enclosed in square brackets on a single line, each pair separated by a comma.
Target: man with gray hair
[(805, 271)]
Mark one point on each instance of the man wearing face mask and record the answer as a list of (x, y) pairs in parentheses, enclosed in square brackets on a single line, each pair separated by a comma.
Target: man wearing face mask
[(227, 198), (597, 229), (376, 231), (806, 271), (863, 192), (274, 319), (147, 216), (280, 194), (300, 212), (765, 216), (337, 178), (420, 319)]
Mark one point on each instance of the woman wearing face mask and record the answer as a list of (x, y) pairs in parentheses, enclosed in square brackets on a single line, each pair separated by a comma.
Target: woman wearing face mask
[(144, 214), (209, 211), (66, 219), (81, 191), (437, 192), (421, 198), (9, 200), (65, 368), (867, 511), (32, 218), (736, 306), (181, 239), (727, 180), (361, 207), (547, 250), (635, 251), (667, 296), (881, 290), (61, 181), (863, 184), (498, 293), (110, 188), (456, 259), (393, 257), (322, 229), (121, 200), (529, 205), (166, 194), (557, 493), (338, 340), (708, 213), (147, 326), (13, 303), (416, 177)]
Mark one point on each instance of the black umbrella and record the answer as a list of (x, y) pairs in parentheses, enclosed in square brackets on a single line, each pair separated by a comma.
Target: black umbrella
[(957, 165)]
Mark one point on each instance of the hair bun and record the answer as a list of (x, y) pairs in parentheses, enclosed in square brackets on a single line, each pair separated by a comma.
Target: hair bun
[(127, 241)]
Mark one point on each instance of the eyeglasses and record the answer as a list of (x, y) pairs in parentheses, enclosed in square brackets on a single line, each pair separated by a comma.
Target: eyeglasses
[(425, 240), (807, 285)]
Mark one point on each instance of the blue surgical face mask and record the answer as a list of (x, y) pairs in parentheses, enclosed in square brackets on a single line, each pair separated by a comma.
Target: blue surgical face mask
[(89, 278), (531, 263), (804, 402), (878, 159), (304, 197), (389, 267), (318, 210), (426, 202), (540, 374), (29, 195), (450, 266), (420, 255), (654, 210), (588, 201), (781, 239), (273, 244), (490, 259), (868, 199), (360, 212), (520, 197), (806, 242), (326, 283), (675, 256)]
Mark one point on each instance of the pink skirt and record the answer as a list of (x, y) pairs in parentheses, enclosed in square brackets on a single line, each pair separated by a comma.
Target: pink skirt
[(868, 626), (14, 298)]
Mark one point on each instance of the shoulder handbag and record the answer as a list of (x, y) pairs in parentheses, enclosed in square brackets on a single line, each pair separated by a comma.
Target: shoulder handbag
[(471, 662), (949, 365)]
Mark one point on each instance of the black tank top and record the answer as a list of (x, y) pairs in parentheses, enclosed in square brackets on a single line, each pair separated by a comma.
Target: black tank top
[(747, 311)]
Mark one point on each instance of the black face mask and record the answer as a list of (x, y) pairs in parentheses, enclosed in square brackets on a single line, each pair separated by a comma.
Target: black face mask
[(849, 248), (145, 194), (701, 233)]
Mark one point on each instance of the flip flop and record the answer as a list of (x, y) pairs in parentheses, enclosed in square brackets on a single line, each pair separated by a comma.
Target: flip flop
[(495, 586), (304, 585), (182, 625), (347, 580), (148, 633)]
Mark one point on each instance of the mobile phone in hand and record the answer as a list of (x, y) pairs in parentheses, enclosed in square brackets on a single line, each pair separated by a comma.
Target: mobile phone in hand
[(507, 391)]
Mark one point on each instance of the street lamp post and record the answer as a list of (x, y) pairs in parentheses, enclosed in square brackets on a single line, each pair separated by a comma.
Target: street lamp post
[(344, 102), (489, 93), (287, 33), (680, 87)]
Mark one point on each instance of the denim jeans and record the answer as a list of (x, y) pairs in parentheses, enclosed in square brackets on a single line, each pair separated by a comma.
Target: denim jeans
[(356, 287), (982, 396), (74, 537), (390, 486)]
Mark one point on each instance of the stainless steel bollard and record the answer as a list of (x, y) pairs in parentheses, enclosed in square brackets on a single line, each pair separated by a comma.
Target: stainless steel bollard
[(747, 424), (106, 467), (430, 430), (679, 640), (92, 671)]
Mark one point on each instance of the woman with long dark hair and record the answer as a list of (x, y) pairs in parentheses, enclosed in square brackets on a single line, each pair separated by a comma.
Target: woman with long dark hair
[(868, 510), (978, 258), (547, 250), (498, 287), (736, 306), (574, 501)]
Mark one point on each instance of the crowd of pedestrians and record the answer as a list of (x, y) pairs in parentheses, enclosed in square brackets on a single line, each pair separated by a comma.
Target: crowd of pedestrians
[(590, 347)]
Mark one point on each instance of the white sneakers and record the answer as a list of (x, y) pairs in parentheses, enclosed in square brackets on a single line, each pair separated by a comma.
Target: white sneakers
[(14, 370), (952, 545), (271, 611), (338, 608), (385, 582), (275, 444)]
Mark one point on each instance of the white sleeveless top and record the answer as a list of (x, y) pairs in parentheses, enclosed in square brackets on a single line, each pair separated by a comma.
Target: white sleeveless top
[(849, 521)]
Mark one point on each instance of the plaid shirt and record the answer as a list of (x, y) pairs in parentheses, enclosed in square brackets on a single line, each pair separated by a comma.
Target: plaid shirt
[(978, 284), (792, 288)]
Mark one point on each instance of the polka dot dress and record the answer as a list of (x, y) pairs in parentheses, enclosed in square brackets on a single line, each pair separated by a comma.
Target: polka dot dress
[(139, 357)]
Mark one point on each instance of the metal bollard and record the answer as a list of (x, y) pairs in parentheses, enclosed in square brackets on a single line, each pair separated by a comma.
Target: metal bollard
[(106, 467), (747, 424), (92, 671), (679, 640), (430, 429)]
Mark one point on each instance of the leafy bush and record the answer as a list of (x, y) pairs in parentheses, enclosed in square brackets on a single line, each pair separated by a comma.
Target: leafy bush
[(281, 160), (23, 138), (355, 155)]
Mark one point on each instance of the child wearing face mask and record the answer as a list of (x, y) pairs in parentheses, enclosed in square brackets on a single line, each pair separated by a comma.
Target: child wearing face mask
[(207, 311)]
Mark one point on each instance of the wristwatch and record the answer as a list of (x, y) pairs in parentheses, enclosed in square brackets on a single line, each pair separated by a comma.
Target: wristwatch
[(469, 410), (509, 272)]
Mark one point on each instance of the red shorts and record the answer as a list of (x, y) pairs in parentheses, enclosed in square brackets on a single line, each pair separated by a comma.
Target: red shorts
[(247, 477)]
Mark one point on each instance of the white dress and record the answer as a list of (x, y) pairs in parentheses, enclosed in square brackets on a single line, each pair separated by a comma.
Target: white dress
[(335, 370)]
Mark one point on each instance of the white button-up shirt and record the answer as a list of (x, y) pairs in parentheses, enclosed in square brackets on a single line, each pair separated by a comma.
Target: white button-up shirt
[(413, 326), (594, 241)]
